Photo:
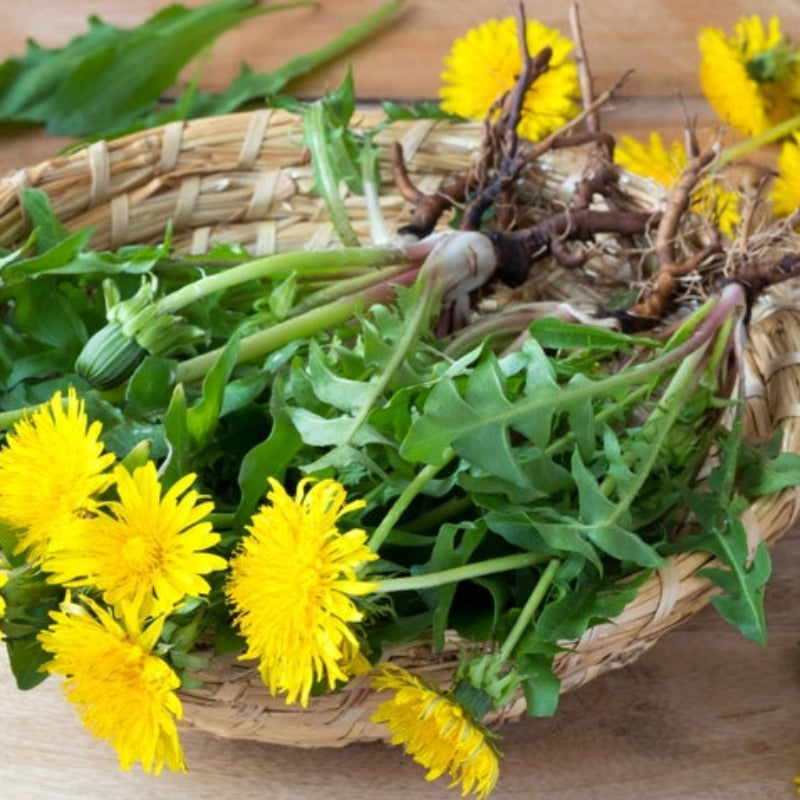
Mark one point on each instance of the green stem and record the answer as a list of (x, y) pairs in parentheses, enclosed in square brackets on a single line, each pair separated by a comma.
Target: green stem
[(308, 262), (464, 573), (404, 499), (504, 323), (259, 344), (528, 610), (221, 520), (341, 288), (769, 136)]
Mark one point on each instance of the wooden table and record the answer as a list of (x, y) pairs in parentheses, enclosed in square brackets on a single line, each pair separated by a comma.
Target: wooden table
[(703, 715)]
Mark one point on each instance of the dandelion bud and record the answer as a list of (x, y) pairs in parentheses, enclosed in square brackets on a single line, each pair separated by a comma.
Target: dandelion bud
[(109, 357), (135, 328)]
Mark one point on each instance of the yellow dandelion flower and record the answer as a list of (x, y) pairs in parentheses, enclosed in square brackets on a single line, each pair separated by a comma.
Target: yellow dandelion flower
[(752, 79), (290, 588), (656, 161), (52, 469), (124, 693), (144, 549), (436, 732), (786, 190), (484, 64)]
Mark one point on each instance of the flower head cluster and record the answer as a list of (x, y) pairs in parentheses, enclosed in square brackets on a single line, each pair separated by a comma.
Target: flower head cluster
[(290, 588), (123, 691), (143, 552), (438, 733), (145, 549), (752, 78), (52, 469), (484, 64), (664, 165)]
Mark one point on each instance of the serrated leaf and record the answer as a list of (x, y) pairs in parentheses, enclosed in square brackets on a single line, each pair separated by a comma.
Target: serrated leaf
[(249, 86), (593, 505), (742, 581), (49, 230), (450, 421), (604, 522), (52, 261), (524, 530), (623, 545)]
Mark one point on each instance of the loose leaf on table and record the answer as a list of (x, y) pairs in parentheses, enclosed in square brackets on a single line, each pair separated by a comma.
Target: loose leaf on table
[(67, 88), (249, 85), (106, 77)]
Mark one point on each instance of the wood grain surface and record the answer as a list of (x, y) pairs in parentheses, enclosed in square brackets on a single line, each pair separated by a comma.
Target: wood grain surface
[(705, 715)]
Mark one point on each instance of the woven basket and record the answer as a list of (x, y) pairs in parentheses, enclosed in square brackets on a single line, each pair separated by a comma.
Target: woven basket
[(245, 178)]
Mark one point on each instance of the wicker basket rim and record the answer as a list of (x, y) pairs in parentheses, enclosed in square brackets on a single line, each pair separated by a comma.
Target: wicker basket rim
[(244, 178)]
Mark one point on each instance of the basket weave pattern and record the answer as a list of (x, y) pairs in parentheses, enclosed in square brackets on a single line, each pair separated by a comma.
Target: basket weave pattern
[(245, 178)]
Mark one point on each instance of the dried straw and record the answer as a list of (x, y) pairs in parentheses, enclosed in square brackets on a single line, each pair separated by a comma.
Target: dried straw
[(245, 178)]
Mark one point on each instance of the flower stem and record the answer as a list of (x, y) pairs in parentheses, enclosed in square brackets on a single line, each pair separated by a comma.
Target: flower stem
[(310, 262), (404, 499), (341, 287), (463, 573), (259, 344), (769, 136), (528, 610)]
